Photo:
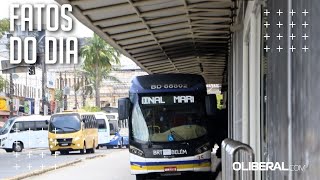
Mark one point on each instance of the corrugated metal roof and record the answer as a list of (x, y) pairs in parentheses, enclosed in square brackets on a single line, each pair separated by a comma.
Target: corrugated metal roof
[(164, 36)]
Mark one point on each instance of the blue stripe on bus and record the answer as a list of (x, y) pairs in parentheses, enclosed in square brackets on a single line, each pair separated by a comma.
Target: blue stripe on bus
[(170, 162)]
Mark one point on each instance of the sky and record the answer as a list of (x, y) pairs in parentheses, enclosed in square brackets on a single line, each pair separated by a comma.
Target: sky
[(79, 30)]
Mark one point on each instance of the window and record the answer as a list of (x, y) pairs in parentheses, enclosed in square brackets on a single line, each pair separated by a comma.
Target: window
[(18, 126), (90, 121), (29, 125), (41, 125), (101, 124)]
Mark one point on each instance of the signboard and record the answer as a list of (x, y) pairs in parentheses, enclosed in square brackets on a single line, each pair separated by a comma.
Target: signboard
[(8, 68), (51, 80), (66, 91), (3, 104), (167, 100), (27, 107)]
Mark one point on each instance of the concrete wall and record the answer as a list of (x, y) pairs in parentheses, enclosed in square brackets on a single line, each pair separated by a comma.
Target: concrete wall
[(293, 91), (275, 99)]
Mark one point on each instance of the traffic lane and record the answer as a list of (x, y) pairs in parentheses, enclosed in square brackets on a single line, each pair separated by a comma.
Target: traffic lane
[(29, 160), (114, 166)]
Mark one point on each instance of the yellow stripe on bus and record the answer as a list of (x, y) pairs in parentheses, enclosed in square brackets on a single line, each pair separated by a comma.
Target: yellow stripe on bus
[(179, 167)]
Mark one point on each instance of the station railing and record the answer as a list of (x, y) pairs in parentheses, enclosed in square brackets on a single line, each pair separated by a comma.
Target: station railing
[(235, 151)]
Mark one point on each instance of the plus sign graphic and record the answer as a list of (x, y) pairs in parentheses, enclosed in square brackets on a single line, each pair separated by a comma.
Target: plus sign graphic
[(275, 29)]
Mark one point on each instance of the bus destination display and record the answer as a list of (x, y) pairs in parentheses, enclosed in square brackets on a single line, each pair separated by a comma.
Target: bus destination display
[(167, 100)]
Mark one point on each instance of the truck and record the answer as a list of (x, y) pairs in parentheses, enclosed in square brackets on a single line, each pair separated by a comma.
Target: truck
[(168, 117)]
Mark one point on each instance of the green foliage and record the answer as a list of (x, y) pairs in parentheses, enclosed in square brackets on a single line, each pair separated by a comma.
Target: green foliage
[(91, 109), (219, 101), (3, 84), (58, 95), (4, 26), (99, 57)]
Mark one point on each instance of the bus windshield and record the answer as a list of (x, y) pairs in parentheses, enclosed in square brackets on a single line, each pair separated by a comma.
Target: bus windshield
[(166, 123), (65, 123), (7, 125)]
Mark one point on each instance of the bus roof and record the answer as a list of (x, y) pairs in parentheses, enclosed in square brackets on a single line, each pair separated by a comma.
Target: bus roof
[(168, 83), (32, 118)]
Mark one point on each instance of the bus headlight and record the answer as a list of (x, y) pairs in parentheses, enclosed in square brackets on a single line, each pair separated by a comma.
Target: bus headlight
[(76, 139), (136, 151), (203, 148)]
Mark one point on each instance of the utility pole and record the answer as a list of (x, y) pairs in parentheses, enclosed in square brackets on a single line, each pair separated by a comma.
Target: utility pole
[(74, 87), (61, 87), (65, 91), (44, 85), (11, 91)]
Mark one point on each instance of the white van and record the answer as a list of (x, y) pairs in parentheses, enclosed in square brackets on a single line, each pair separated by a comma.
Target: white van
[(24, 132), (103, 129)]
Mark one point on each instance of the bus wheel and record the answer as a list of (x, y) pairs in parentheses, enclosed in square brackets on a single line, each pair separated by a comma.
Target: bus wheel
[(64, 152), (82, 151), (17, 146), (141, 177), (93, 149), (53, 152), (98, 147)]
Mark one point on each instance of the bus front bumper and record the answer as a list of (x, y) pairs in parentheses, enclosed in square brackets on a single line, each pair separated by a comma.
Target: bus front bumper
[(71, 145)]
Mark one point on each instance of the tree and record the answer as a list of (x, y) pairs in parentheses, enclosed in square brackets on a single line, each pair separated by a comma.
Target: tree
[(3, 84), (4, 26), (99, 57), (87, 84)]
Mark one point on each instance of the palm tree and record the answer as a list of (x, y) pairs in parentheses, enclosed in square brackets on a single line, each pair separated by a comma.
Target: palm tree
[(98, 59), (87, 83)]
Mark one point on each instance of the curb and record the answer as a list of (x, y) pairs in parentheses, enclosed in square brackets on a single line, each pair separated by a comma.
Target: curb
[(39, 172)]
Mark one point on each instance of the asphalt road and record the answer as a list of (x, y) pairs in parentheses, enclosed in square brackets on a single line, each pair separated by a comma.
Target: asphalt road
[(29, 160), (113, 166)]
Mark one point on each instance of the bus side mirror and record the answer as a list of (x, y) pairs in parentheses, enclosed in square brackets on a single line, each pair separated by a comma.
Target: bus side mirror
[(211, 104), (123, 108)]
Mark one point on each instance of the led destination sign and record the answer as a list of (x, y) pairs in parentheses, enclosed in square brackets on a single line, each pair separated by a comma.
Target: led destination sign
[(167, 100)]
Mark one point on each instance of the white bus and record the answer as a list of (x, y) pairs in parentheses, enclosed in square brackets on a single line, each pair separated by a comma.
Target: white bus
[(103, 129), (23, 132)]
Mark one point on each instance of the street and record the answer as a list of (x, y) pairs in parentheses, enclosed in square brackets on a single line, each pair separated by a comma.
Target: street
[(15, 164), (114, 166)]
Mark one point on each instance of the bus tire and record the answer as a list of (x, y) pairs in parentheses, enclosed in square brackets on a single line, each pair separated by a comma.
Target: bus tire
[(84, 150), (17, 146), (93, 148), (141, 177), (9, 150), (64, 152), (53, 152)]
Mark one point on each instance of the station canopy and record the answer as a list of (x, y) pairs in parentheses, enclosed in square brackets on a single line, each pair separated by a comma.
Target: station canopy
[(164, 36)]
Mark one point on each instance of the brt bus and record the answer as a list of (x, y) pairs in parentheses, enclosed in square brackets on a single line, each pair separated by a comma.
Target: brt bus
[(118, 131), (73, 131), (23, 132), (168, 125)]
